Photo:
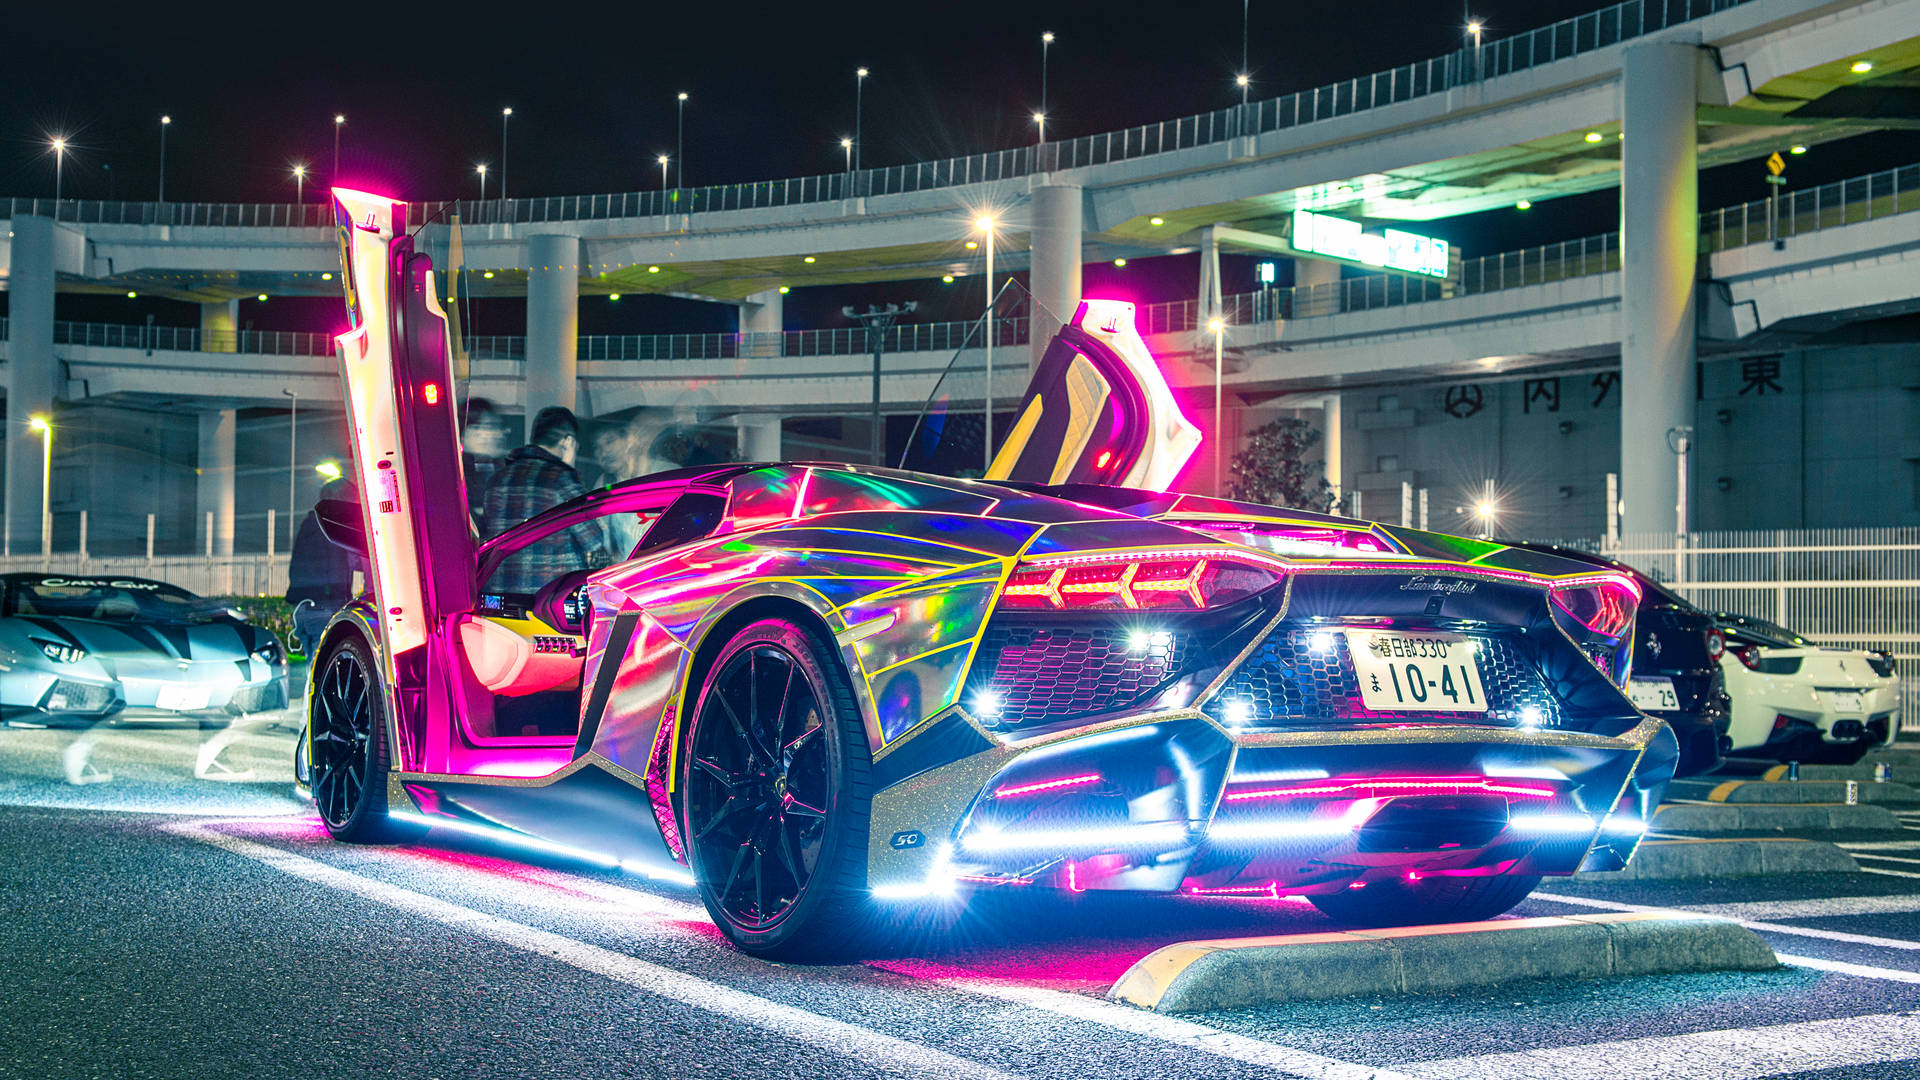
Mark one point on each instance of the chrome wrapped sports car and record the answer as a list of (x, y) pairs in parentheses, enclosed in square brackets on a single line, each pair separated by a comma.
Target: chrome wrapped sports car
[(78, 649), (814, 691)]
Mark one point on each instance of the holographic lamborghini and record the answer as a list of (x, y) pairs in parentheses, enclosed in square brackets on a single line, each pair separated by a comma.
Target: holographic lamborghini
[(819, 693)]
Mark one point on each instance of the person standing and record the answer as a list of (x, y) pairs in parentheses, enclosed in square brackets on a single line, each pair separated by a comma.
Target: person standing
[(482, 439), (535, 478)]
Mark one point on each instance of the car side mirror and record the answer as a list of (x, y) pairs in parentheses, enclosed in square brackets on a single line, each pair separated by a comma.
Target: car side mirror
[(341, 523)]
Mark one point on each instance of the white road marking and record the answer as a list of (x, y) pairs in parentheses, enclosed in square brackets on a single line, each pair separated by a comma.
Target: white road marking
[(1889, 873), (1167, 1029), (1827, 908), (1767, 927), (1887, 858), (1734, 1054), (1883, 845), (862, 1044), (1865, 971)]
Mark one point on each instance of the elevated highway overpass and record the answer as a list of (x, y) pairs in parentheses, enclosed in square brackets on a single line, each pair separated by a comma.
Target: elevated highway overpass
[(1640, 94)]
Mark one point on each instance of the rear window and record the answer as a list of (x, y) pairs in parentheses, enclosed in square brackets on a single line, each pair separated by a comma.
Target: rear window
[(109, 599)]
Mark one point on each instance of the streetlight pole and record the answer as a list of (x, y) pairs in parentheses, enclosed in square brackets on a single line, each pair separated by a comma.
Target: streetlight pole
[(1040, 119), (293, 410), (44, 426), (59, 171), (662, 159), (506, 114), (1474, 27), (1218, 327), (846, 145), (339, 121), (878, 321), (986, 224), (859, 89), (165, 123), (680, 139), (1046, 42), (482, 170), (299, 184)]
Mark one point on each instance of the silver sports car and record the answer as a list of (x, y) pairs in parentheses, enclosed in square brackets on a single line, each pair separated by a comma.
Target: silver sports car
[(82, 649)]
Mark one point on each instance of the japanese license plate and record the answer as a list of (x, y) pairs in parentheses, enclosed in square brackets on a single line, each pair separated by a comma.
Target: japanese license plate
[(1846, 701), (181, 698), (1410, 672), (1653, 695)]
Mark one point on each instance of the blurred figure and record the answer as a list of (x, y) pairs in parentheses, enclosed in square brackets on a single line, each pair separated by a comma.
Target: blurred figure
[(320, 572), (535, 478), (483, 438)]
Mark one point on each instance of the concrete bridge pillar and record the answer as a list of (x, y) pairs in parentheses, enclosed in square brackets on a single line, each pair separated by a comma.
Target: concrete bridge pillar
[(1059, 219), (31, 374), (215, 476), (553, 323), (220, 326), (1660, 251), (760, 437), (763, 315)]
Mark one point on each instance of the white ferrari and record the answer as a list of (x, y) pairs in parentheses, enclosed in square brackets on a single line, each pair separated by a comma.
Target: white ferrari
[(1794, 700)]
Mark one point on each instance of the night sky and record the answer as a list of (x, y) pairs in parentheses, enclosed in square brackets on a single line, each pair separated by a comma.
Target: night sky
[(252, 90)]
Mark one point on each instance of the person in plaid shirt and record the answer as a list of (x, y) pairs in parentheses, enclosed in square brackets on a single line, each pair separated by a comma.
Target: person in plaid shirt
[(533, 479)]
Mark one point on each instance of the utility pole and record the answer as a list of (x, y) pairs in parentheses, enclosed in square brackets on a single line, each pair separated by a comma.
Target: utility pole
[(877, 321)]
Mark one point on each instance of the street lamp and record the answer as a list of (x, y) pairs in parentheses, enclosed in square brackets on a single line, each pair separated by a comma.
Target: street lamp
[(339, 121), (662, 159), (165, 123), (1040, 119), (59, 169), (1046, 42), (1218, 328), (300, 183), (680, 138), (293, 409), (1474, 27), (859, 86), (39, 422), (482, 170), (985, 224), (506, 114), (1243, 82), (846, 144)]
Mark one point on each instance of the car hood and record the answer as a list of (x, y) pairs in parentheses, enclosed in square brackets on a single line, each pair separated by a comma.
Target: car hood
[(216, 640)]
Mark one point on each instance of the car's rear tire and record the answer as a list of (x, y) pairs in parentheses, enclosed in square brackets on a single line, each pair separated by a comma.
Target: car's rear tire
[(349, 758), (1426, 901), (776, 795)]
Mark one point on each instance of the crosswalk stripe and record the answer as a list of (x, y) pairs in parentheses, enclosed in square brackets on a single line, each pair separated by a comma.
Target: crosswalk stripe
[(1732, 1054)]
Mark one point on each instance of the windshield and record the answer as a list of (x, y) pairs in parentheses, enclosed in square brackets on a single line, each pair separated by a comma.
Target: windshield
[(1761, 631), (109, 599)]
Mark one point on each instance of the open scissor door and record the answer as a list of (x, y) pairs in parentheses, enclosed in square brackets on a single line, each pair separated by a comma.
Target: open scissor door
[(397, 374)]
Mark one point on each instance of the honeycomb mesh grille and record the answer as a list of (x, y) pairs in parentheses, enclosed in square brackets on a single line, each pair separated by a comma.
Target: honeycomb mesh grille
[(251, 699), (1288, 684), (70, 696), (1041, 673)]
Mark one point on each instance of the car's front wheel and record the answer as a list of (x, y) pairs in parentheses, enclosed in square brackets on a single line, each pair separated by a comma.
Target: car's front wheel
[(1427, 900), (349, 759), (777, 794)]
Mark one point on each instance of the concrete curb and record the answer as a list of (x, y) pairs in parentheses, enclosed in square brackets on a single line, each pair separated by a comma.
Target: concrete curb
[(1758, 817), (1666, 860), (1202, 976), (1805, 791)]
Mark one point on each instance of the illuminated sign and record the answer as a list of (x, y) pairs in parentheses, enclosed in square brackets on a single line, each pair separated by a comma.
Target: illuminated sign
[(1265, 273), (1391, 249)]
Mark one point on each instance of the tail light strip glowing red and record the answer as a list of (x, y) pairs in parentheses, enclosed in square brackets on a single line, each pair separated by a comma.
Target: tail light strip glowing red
[(1048, 785), (1421, 785)]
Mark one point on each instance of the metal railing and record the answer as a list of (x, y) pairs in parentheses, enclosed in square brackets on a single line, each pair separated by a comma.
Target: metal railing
[(1504, 56), (229, 575), (190, 339), (1844, 202), (1858, 588)]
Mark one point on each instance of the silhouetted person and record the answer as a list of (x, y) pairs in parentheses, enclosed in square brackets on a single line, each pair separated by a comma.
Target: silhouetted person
[(319, 571), (536, 478), (483, 439)]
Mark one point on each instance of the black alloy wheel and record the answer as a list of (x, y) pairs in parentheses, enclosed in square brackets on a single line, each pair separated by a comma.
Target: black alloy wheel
[(348, 757), (775, 798)]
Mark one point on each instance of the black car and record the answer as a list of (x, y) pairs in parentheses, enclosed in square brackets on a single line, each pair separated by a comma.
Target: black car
[(1676, 672)]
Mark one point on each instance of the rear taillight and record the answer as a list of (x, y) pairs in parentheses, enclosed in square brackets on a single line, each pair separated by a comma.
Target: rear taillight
[(1173, 580), (1605, 607), (1748, 655), (1716, 644), (1881, 663)]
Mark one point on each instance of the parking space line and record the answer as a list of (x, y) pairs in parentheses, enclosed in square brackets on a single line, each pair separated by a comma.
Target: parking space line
[(1825, 908), (1768, 927), (862, 1044), (1167, 1029), (1864, 971), (1882, 845), (1888, 873), (1732, 1054), (1887, 858)]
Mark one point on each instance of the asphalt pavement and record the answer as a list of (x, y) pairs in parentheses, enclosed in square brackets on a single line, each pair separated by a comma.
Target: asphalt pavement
[(175, 912)]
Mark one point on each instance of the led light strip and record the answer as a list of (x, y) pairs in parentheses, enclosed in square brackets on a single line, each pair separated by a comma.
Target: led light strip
[(533, 843), (1048, 785), (1165, 834), (1465, 785)]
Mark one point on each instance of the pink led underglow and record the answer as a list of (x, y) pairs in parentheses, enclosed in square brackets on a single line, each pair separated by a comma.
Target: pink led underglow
[(1447, 785), (1048, 785), (1269, 891)]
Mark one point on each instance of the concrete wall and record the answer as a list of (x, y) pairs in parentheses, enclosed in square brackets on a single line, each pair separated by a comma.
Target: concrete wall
[(1830, 438)]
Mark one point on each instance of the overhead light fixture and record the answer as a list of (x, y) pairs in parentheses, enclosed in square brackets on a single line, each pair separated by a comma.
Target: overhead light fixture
[(1523, 204), (1156, 221), (972, 244), (947, 278), (1861, 67), (1798, 150), (613, 296), (783, 290), (808, 259), (1594, 136), (1120, 262), (131, 295), (488, 275), (653, 269), (326, 276), (263, 297)]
